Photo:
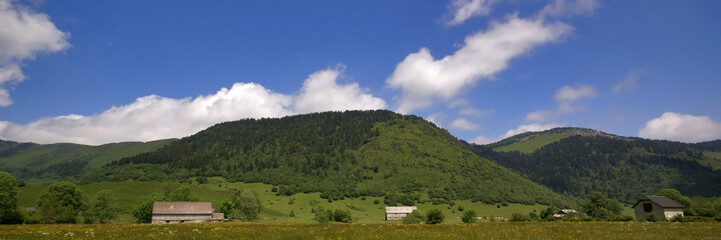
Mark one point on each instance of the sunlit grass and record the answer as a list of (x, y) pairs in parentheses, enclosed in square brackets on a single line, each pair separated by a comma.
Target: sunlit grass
[(287, 230)]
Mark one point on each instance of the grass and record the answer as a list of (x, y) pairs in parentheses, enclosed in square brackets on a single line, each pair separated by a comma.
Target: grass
[(533, 144), (284, 230), (275, 208), (712, 159)]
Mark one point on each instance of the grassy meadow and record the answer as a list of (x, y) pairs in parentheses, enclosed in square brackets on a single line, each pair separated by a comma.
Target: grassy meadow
[(276, 208), (287, 230)]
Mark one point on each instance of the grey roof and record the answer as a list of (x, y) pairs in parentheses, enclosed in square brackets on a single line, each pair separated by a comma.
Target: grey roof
[(401, 209), (662, 201), (182, 208)]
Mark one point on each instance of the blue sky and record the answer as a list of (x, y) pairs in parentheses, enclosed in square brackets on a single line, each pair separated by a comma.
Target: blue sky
[(95, 72)]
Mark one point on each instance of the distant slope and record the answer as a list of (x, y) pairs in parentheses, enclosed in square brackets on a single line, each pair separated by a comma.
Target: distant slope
[(29, 160), (623, 168), (531, 141), (340, 154)]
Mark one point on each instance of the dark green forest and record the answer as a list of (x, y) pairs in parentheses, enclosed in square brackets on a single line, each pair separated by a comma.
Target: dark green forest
[(622, 168), (340, 154)]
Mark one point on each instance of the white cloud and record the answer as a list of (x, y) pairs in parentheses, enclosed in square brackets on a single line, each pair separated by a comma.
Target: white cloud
[(23, 35), (423, 79), (154, 117), (539, 116), (567, 98), (566, 8), (320, 93), (571, 94), (483, 140), (465, 9), (434, 118), (534, 127), (681, 127), (628, 84), (464, 124)]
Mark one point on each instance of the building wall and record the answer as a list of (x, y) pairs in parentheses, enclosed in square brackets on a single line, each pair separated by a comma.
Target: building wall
[(672, 212), (395, 216), (176, 218)]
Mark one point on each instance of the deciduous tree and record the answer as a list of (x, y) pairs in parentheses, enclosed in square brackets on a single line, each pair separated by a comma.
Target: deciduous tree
[(61, 202)]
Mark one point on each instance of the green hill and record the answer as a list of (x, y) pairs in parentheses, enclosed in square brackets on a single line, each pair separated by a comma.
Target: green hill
[(405, 159), (622, 168), (531, 141), (55, 161)]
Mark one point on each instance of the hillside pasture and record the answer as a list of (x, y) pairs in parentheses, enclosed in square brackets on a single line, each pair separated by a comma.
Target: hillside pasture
[(277, 208), (286, 230)]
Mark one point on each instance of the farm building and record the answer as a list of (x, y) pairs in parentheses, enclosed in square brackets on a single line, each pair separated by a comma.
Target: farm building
[(662, 206), (566, 213), (398, 213), (180, 212)]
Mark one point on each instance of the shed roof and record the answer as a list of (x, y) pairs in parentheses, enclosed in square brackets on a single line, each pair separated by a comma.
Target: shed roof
[(401, 209), (662, 201), (182, 208)]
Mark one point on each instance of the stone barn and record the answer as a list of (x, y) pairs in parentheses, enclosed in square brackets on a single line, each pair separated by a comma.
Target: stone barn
[(180, 212), (398, 213), (661, 206)]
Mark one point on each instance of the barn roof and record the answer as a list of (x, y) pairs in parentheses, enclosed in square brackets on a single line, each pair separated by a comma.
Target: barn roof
[(662, 201), (182, 208), (402, 209)]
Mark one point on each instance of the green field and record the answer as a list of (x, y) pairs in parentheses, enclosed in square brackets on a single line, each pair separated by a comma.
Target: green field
[(533, 144), (281, 230), (277, 208)]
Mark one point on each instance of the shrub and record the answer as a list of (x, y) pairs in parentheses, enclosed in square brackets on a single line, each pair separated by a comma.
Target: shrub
[(435, 216), (322, 216), (652, 218), (414, 217), (533, 215), (469, 216), (460, 208), (519, 217), (342, 216), (376, 201)]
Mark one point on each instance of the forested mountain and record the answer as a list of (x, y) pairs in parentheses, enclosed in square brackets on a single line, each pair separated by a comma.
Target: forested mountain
[(582, 160), (55, 161), (340, 154)]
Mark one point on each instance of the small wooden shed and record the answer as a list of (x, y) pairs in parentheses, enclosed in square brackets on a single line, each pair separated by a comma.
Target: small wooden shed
[(398, 213), (180, 212), (663, 207)]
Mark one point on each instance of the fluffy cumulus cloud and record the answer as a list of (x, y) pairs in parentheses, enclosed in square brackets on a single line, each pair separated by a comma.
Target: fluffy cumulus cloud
[(566, 97), (23, 35), (321, 92), (462, 10), (567, 8), (464, 124), (534, 127), (154, 117), (681, 127), (423, 79)]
